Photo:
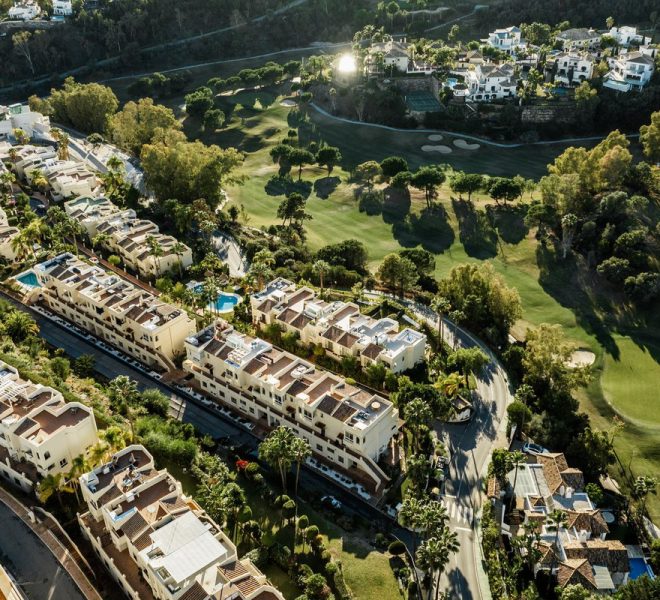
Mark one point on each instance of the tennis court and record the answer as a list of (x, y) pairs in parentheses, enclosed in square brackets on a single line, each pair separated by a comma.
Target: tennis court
[(422, 102)]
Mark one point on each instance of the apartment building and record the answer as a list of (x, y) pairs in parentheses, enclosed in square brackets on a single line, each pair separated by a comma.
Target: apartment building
[(40, 434), (347, 427), (128, 237), (62, 8), (338, 327), (127, 317), (7, 236), (158, 543), (25, 157), (627, 36)]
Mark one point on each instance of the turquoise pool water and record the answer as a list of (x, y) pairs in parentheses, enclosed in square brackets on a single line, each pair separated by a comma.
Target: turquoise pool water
[(223, 303), (638, 567), (28, 279)]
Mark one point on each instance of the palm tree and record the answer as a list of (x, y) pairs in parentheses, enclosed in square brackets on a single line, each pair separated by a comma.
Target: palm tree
[(557, 520), (642, 487), (301, 451), (450, 385), (115, 438), (155, 250), (20, 326), (233, 501), (53, 484), (320, 267), (100, 239), (516, 458), (277, 451), (418, 415), (123, 393), (433, 556), (39, 180), (21, 245), (179, 250), (79, 465), (441, 307), (260, 271), (98, 454)]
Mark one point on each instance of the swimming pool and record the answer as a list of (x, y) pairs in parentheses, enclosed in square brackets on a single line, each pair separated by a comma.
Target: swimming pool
[(28, 279), (451, 81), (639, 567), (225, 302)]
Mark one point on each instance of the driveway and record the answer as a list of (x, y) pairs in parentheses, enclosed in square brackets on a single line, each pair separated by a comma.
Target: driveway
[(38, 574)]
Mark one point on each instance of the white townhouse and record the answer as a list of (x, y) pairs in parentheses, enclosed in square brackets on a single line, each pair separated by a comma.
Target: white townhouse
[(491, 82), (506, 40), (629, 71), (579, 39), (572, 68), (19, 116), (22, 158), (129, 237), (392, 53), (40, 433), (338, 327), (129, 318), (158, 543), (347, 427), (627, 36), (7, 236)]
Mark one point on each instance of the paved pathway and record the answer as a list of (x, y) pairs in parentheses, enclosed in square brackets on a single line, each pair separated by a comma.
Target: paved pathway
[(42, 567)]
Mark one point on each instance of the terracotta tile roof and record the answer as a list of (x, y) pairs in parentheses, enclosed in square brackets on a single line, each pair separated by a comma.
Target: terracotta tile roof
[(266, 595), (547, 550), (587, 520), (248, 585), (493, 487), (608, 553), (233, 570), (576, 571), (333, 333), (558, 474), (144, 541), (266, 305), (134, 526), (195, 592), (372, 351)]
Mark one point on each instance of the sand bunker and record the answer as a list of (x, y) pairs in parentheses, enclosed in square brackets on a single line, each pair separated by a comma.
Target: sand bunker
[(582, 358), (441, 149), (435, 137), (463, 145), (288, 102)]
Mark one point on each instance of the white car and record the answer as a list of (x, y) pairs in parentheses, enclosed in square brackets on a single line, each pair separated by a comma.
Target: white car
[(331, 501), (535, 449)]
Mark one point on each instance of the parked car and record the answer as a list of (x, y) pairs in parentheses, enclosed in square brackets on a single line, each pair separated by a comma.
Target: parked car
[(530, 448), (331, 502)]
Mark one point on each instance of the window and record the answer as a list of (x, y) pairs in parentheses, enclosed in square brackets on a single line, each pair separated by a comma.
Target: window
[(319, 447), (63, 462), (47, 456)]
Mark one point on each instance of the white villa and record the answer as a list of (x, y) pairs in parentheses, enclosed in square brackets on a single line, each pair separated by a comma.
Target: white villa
[(491, 82), (348, 428), (627, 36), (629, 71), (19, 116), (129, 237), (25, 10), (338, 327), (387, 54), (158, 543), (572, 67), (579, 39), (62, 8), (506, 40), (7, 235), (40, 433)]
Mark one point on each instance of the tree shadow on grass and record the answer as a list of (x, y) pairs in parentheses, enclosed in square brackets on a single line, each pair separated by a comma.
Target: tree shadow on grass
[(396, 204), (279, 185), (509, 222), (565, 281), (324, 186), (475, 231), (430, 228)]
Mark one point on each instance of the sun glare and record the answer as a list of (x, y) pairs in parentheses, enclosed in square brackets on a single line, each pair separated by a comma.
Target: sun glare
[(347, 64)]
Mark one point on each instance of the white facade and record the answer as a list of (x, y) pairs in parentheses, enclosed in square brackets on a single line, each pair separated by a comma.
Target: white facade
[(346, 426), (572, 68), (629, 71), (393, 54), (506, 40), (26, 157), (7, 235), (19, 116), (40, 434), (111, 308), (62, 8), (491, 82), (24, 11), (627, 36), (338, 327), (157, 542)]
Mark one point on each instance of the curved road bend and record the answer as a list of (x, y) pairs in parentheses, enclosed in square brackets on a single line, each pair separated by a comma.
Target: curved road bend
[(36, 571), (471, 446)]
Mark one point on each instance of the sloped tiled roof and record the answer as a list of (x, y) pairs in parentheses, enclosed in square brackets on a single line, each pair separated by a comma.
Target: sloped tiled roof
[(576, 571), (587, 520)]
